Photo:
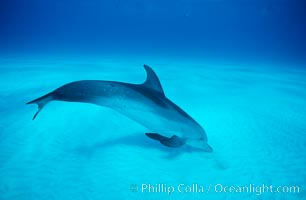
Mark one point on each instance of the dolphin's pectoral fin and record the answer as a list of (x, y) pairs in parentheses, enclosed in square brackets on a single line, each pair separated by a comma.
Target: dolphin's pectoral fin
[(173, 141), (156, 136)]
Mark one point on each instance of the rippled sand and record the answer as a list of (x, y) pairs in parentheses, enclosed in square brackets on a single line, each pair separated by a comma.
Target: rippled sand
[(254, 117)]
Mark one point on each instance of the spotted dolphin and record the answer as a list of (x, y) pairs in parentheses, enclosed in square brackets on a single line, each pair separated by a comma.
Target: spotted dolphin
[(144, 103)]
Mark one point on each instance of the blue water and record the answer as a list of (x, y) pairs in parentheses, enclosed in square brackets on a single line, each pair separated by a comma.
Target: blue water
[(237, 67)]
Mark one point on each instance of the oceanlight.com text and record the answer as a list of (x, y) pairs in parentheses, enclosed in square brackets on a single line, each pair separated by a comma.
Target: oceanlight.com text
[(256, 189)]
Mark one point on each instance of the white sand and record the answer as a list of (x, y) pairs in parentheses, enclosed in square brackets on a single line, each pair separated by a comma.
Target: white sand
[(254, 117)]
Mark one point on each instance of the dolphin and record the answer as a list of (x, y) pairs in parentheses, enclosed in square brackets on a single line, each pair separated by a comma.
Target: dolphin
[(144, 103)]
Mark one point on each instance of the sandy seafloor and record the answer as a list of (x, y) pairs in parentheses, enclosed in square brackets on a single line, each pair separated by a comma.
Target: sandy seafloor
[(254, 116)]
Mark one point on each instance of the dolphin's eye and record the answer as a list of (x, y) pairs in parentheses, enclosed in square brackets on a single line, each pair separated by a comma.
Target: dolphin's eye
[(112, 85)]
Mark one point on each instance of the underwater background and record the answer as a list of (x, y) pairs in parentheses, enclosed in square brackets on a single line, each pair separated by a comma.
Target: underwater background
[(238, 67)]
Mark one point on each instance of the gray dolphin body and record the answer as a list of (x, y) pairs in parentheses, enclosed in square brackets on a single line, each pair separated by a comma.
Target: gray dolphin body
[(144, 103)]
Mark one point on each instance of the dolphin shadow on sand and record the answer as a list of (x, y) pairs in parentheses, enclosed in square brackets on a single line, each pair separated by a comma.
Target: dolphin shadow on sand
[(134, 140)]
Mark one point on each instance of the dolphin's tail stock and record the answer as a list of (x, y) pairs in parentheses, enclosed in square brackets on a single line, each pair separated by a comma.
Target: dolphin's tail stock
[(41, 102)]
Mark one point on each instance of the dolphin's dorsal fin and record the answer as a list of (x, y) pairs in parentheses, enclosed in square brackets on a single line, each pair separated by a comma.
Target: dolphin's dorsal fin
[(152, 80)]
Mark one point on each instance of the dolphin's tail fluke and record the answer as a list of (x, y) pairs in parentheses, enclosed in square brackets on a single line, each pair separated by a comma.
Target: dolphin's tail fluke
[(41, 102)]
